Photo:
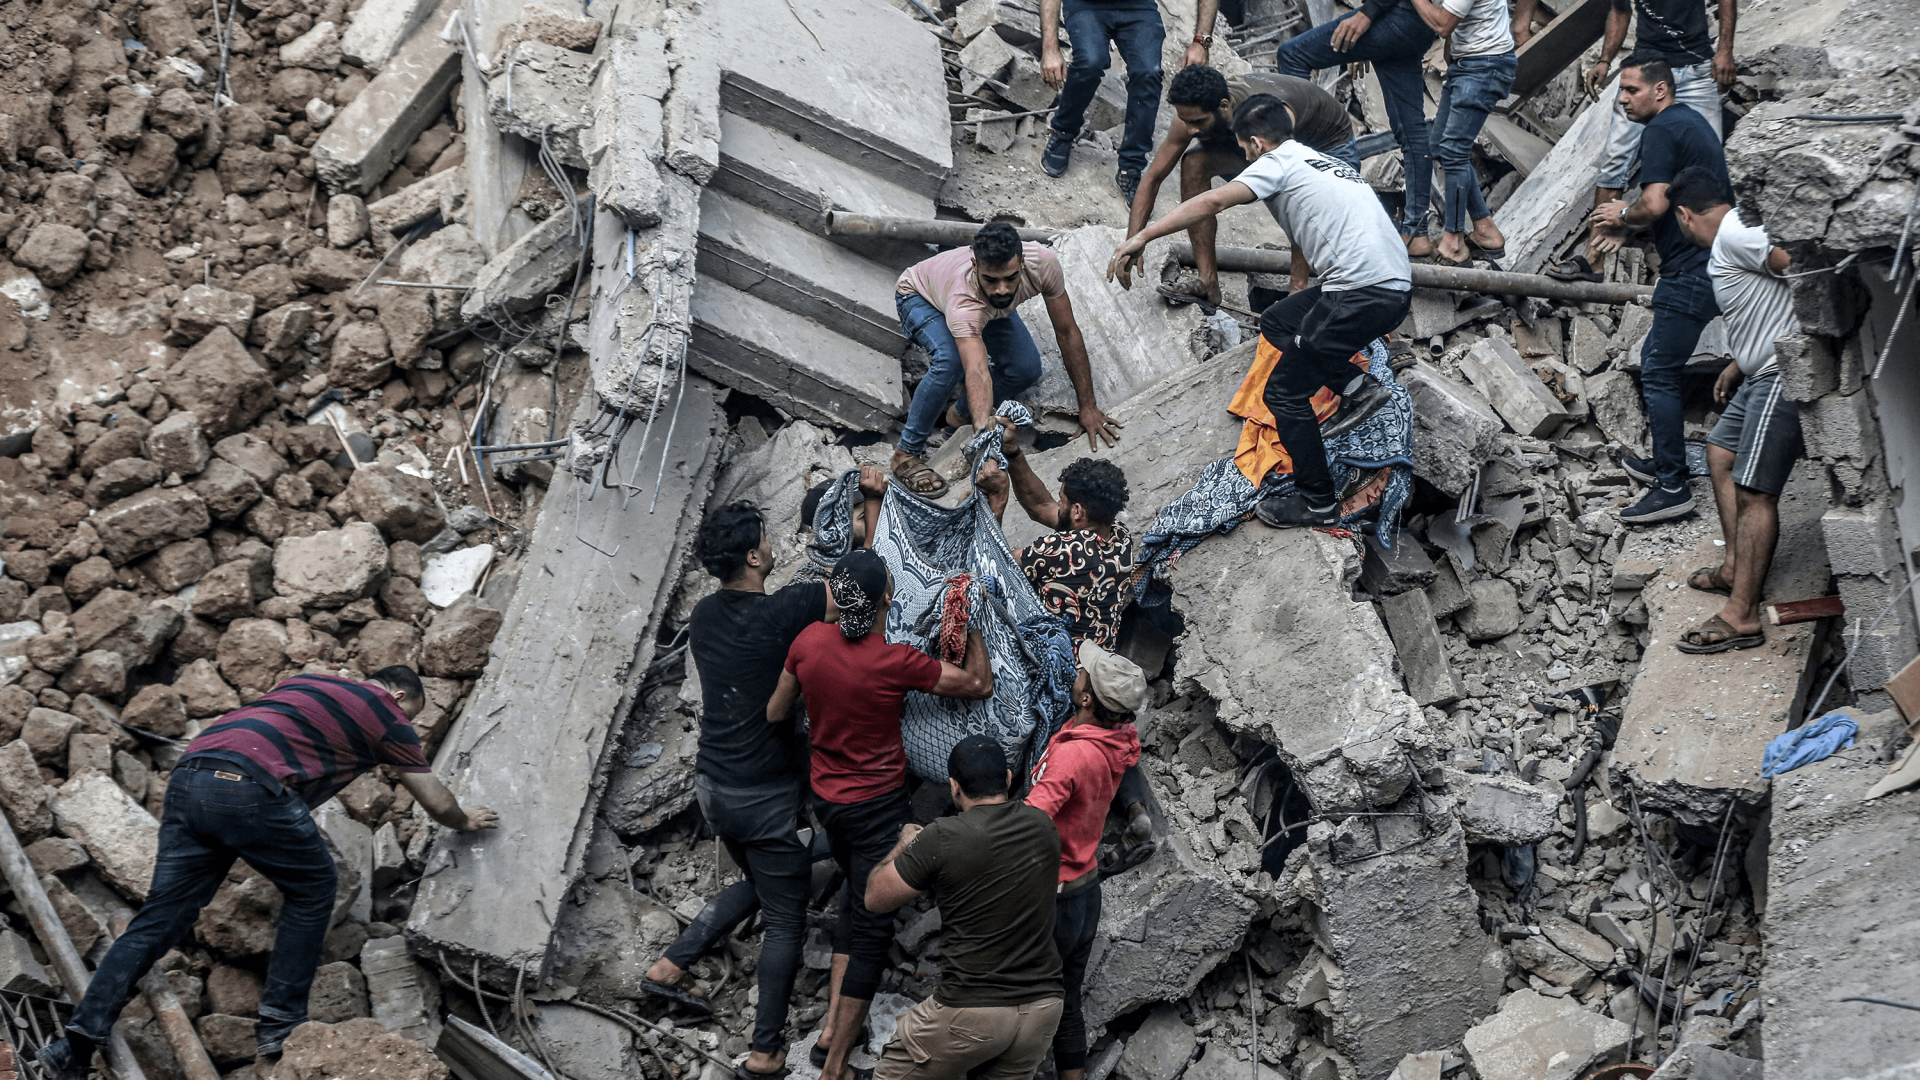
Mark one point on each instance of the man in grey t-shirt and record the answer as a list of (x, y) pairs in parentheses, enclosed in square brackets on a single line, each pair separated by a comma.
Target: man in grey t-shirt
[(1330, 213)]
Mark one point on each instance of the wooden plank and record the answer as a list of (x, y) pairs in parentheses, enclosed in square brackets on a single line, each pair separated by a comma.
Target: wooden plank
[(1558, 44), (1518, 145), (1787, 612)]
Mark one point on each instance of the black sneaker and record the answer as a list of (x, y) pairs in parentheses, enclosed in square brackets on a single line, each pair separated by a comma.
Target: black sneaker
[(1574, 269), (1640, 469), (1355, 408), (1660, 504), (1292, 512), (1128, 181), (270, 1037), (1053, 159), (56, 1061)]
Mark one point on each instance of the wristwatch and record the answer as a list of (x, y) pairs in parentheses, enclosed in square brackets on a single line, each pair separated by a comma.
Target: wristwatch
[(1204, 42), (1623, 213)]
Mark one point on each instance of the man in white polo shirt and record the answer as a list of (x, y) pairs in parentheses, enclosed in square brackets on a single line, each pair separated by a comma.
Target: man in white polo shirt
[(1752, 449), (1329, 212)]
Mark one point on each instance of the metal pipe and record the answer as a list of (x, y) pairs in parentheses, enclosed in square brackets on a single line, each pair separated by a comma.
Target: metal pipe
[(1267, 261), (188, 1050), (67, 965)]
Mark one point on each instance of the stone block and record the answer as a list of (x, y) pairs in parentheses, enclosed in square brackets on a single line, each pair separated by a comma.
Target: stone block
[(403, 506), (1863, 541), (104, 614), (986, 57), (318, 49), (375, 130), (251, 655), (379, 27), (226, 592), (1455, 431), (233, 991), (1808, 368), (120, 834), (176, 445), (1416, 638), (1841, 426), (202, 307), (97, 672), (547, 90), (1586, 345), (148, 521), (23, 794), (1503, 809), (1492, 611), (1016, 21), (120, 479), (203, 691), (1578, 942), (47, 732), (519, 277), (1515, 392), (418, 201), (353, 1050), (219, 383), (1540, 1038), (457, 644), (585, 1045), (339, 993), (56, 855), (1160, 1049), (749, 344), (239, 922), (330, 569), (20, 973), (54, 252), (1385, 572), (229, 1040), (1617, 408), (179, 564), (623, 152), (403, 996)]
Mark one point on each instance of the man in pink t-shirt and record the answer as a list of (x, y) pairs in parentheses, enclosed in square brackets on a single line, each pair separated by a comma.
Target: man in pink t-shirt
[(960, 307)]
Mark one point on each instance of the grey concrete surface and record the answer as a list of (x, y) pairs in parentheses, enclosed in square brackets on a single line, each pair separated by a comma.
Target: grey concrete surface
[(749, 344), (374, 130)]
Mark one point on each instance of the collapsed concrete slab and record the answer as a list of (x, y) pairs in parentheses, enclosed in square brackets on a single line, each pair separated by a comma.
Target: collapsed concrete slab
[(773, 170), (1455, 431), (1542, 1038), (1557, 196), (1136, 336), (519, 278), (746, 343), (531, 741), (544, 94), (769, 257), (372, 133), (861, 81), (626, 141), (1838, 923), (1695, 727), (379, 28)]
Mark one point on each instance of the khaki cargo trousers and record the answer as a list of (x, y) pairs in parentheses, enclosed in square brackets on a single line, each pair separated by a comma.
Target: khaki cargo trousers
[(940, 1042)]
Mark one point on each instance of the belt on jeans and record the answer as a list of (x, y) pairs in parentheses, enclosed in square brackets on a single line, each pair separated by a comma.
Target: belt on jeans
[(1068, 888)]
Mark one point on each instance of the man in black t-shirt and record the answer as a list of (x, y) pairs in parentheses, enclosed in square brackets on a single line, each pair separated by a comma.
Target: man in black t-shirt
[(1683, 302), (1674, 32), (993, 870), (749, 773)]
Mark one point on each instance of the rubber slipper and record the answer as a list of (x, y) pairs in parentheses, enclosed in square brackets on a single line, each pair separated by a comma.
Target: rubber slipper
[(1707, 572), (1574, 269), (678, 994), (818, 1055), (1726, 638), (741, 1072), (1496, 252), (1180, 297)]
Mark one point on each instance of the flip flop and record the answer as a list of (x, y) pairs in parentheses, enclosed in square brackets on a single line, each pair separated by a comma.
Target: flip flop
[(679, 994), (818, 1055), (914, 471), (741, 1072), (1180, 297), (1576, 268), (1717, 636), (1709, 573), (1493, 252)]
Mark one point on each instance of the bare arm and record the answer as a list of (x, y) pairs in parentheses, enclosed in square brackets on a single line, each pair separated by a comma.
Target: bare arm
[(1523, 12), (1724, 69), (1073, 355), (1437, 18), (1199, 208), (785, 693), (873, 484), (1778, 260), (1618, 17), (886, 890), (1053, 69), (441, 806), (1206, 12), (1651, 204), (973, 363), (971, 682), (1034, 497)]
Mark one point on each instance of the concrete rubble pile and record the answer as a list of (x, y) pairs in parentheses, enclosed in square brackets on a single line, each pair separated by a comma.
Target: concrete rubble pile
[(1452, 806)]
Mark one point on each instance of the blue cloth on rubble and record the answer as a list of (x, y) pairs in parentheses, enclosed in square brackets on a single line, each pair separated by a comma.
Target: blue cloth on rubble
[(1222, 498), (925, 545), (1808, 743)]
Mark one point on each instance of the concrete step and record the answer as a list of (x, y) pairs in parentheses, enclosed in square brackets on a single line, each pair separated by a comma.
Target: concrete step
[(749, 344), (780, 262), (858, 79), (789, 177)]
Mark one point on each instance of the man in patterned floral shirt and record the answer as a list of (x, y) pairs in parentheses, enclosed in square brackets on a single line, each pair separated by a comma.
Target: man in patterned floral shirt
[(1081, 568)]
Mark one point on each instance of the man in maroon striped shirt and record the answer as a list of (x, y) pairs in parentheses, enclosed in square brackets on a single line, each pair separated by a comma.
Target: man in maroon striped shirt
[(244, 789)]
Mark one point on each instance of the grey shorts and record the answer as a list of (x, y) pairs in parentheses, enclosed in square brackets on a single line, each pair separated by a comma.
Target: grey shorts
[(1762, 428)]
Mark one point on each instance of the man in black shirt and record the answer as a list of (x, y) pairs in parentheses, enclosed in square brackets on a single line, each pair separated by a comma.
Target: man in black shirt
[(749, 772), (1683, 302), (994, 871), (1675, 32)]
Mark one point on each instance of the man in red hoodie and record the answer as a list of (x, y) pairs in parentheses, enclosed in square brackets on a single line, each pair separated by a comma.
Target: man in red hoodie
[(1074, 783)]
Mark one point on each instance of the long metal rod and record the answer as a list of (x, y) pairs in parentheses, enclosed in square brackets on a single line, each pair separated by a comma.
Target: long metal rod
[(67, 965), (1266, 261)]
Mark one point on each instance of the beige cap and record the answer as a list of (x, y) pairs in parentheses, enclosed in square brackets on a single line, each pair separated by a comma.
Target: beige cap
[(1116, 680)]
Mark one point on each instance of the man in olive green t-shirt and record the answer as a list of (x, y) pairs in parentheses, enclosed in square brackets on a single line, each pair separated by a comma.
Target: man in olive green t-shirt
[(993, 869)]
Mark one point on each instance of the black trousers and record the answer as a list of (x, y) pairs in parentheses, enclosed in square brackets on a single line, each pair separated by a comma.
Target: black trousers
[(861, 835), (760, 828), (1076, 919), (1317, 334)]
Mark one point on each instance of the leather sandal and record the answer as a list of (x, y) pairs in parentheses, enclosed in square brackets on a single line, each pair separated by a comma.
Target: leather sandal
[(1716, 635), (919, 477), (1707, 579)]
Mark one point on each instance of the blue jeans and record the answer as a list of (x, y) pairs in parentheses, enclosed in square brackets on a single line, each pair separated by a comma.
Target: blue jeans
[(1138, 33), (1473, 86), (1012, 358), (1682, 307), (207, 823), (1394, 46)]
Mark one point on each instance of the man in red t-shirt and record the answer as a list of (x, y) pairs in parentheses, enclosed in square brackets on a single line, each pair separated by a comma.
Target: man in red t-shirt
[(855, 683), (1074, 783)]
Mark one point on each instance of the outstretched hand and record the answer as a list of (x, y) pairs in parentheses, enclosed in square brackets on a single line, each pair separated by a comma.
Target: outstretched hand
[(1097, 425), (1127, 259)]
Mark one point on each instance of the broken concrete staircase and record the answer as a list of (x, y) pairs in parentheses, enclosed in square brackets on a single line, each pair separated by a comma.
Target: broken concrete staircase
[(857, 122)]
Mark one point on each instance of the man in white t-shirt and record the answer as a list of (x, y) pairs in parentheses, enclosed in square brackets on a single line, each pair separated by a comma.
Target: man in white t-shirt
[(1331, 214), (1480, 70), (1752, 449)]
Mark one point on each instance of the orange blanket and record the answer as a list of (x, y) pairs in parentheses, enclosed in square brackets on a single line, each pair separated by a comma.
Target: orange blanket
[(1260, 450)]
